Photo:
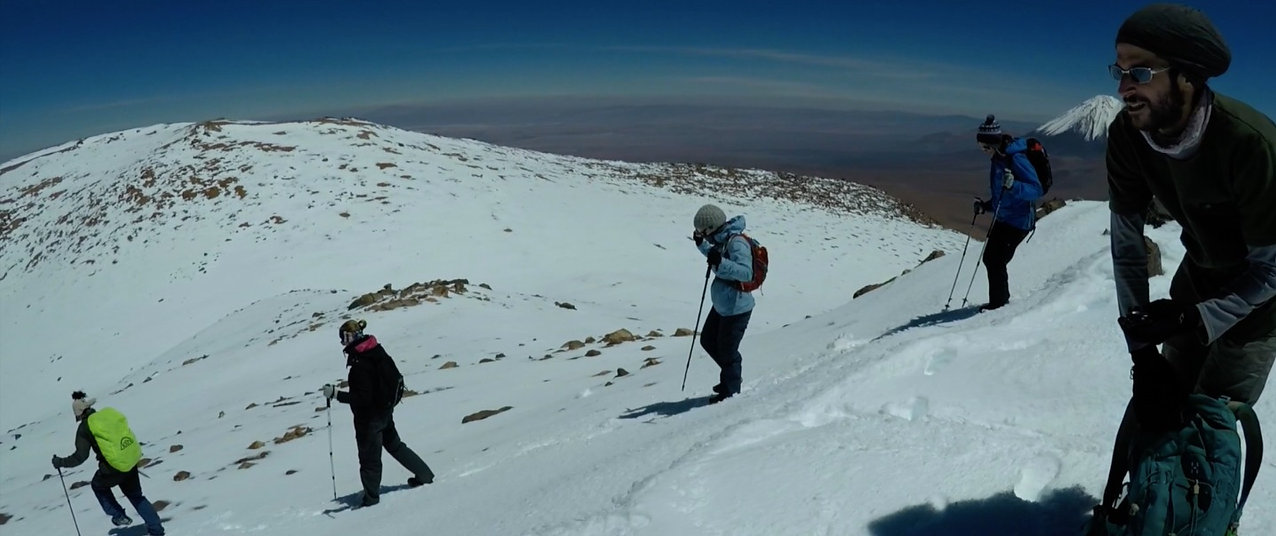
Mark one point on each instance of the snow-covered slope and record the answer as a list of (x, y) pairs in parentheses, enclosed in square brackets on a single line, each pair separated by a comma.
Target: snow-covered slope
[(127, 244), (883, 415), (1090, 119)]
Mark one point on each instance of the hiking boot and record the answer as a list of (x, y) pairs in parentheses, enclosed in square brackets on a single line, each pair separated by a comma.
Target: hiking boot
[(121, 521), (418, 482), (990, 306), (719, 397), (369, 500)]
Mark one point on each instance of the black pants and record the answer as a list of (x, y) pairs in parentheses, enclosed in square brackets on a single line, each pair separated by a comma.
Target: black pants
[(721, 339), (105, 479), (1003, 238), (373, 433)]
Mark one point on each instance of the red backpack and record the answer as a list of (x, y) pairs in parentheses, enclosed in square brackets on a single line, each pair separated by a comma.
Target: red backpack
[(760, 262)]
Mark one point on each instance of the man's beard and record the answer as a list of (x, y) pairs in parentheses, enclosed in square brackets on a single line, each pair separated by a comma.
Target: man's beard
[(1162, 114)]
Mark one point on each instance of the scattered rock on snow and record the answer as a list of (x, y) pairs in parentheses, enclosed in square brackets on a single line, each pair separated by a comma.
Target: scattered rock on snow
[(618, 336), (181, 475), (293, 433), (480, 415)]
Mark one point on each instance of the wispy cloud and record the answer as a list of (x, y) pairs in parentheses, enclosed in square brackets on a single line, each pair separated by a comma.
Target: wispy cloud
[(862, 66), (787, 87)]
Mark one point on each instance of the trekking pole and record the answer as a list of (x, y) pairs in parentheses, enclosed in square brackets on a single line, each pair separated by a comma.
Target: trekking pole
[(699, 312), (331, 465), (979, 260), (68, 502), (957, 275)]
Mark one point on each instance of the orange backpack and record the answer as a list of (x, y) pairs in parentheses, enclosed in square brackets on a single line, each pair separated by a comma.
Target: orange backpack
[(760, 262)]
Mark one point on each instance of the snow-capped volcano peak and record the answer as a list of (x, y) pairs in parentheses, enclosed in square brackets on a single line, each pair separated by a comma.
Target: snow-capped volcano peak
[(1090, 118)]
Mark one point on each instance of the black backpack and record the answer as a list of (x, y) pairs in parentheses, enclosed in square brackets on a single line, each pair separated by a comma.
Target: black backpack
[(1040, 160), (391, 386)]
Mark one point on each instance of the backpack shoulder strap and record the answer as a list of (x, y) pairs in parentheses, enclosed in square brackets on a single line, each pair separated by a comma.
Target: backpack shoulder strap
[(1253, 451), (726, 250), (1120, 459)]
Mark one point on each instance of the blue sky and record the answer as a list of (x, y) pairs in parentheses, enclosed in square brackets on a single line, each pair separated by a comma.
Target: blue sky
[(71, 69)]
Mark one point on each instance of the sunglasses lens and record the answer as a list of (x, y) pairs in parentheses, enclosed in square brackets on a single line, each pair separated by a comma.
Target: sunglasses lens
[(1141, 75), (1115, 71)]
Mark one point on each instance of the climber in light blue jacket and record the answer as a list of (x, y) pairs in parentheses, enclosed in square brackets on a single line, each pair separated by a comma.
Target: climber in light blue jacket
[(730, 258)]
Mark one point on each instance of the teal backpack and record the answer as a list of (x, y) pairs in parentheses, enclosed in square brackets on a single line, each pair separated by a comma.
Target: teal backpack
[(1184, 482)]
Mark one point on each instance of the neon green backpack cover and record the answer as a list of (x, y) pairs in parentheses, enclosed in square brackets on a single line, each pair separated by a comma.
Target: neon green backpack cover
[(115, 440)]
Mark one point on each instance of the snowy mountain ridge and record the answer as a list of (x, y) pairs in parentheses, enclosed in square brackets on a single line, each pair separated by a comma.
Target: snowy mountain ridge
[(1090, 119), (889, 414)]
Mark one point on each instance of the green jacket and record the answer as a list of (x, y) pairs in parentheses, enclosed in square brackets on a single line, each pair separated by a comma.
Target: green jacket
[(1224, 196)]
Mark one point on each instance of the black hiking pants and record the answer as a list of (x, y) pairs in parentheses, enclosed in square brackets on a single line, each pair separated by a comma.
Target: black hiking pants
[(1003, 239), (131, 486), (721, 338), (373, 433)]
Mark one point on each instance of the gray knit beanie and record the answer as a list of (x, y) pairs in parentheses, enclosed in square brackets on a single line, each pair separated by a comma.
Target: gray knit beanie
[(709, 218)]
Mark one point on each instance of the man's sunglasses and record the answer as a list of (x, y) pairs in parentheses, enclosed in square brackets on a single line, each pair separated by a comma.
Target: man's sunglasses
[(1141, 75)]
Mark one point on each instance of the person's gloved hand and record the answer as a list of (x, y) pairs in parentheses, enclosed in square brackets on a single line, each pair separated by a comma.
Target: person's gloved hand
[(1158, 395), (1007, 179), (329, 391), (698, 237), (57, 462), (1156, 322), (715, 257), (981, 206)]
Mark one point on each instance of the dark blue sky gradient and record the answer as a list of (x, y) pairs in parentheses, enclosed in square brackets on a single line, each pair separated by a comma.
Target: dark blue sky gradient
[(71, 69)]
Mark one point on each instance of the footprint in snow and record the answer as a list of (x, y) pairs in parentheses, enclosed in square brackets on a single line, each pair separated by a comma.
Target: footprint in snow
[(913, 410), (1036, 475), (938, 360)]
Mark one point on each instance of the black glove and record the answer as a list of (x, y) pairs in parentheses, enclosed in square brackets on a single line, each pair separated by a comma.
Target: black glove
[(981, 206), (57, 462), (1156, 322), (715, 257), (698, 237), (1158, 395)]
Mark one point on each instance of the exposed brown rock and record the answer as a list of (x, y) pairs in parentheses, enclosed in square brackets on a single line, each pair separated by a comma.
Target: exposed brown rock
[(480, 415), (617, 337), (293, 433)]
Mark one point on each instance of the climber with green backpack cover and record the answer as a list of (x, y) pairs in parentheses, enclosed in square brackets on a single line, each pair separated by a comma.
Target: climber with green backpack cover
[(106, 434)]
